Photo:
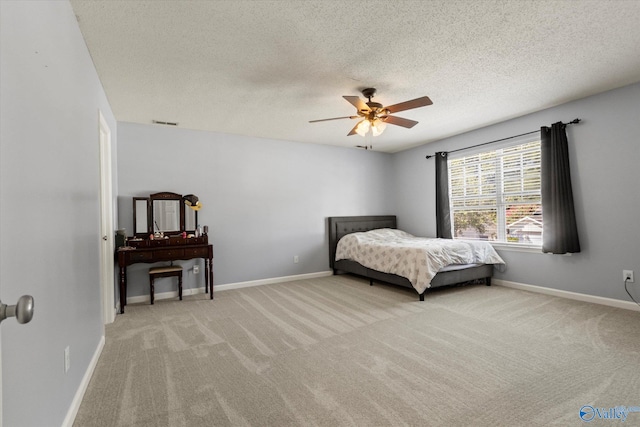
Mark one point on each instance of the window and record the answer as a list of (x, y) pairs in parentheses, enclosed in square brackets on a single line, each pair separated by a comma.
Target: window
[(495, 195)]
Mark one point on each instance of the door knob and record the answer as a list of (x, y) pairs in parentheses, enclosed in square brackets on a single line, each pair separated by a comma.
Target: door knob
[(104, 238), (23, 310)]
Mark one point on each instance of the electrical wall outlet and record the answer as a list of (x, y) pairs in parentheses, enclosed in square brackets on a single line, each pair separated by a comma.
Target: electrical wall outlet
[(627, 275), (295, 259), (196, 269), (67, 359)]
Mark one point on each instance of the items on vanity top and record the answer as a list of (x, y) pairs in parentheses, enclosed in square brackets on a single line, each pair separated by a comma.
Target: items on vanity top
[(137, 243)]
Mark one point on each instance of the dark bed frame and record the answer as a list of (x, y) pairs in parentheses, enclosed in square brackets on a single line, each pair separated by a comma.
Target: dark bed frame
[(339, 226)]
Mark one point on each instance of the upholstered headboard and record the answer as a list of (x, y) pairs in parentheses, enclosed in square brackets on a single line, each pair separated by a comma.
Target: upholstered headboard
[(342, 225)]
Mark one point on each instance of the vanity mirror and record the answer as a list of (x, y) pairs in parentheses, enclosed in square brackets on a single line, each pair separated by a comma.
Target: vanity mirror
[(162, 212), (141, 216)]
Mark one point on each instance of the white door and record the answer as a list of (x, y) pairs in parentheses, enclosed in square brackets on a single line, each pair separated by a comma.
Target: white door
[(106, 224)]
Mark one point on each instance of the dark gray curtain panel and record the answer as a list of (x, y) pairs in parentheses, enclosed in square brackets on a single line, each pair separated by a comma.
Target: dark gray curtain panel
[(443, 211), (560, 232)]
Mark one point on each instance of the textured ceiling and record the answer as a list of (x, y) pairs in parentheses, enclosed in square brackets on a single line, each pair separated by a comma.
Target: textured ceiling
[(265, 68)]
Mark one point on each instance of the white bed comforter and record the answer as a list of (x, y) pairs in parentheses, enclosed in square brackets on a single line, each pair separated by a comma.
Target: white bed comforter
[(416, 258)]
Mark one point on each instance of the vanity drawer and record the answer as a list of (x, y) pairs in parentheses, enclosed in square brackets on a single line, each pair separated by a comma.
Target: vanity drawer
[(168, 254), (196, 252), (140, 256)]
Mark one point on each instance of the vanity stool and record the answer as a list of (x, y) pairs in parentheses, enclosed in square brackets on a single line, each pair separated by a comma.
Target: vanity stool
[(169, 271)]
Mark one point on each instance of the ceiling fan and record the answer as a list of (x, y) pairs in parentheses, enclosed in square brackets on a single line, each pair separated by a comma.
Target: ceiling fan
[(375, 117)]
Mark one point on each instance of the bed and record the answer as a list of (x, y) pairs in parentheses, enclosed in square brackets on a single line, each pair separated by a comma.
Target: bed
[(449, 275)]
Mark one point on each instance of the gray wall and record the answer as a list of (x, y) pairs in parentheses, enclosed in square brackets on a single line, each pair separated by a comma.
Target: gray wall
[(264, 200), (49, 211), (604, 155)]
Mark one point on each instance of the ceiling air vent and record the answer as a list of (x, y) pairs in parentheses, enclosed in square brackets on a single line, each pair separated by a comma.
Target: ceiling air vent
[(160, 122)]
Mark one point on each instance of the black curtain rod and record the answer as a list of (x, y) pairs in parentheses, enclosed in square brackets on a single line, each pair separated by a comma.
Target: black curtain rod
[(572, 122)]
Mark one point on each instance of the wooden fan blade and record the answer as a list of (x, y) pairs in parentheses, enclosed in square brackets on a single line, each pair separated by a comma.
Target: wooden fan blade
[(353, 131), (408, 105), (358, 103), (334, 118), (399, 121)]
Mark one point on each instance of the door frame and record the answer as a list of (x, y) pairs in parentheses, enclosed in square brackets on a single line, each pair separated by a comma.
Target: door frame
[(107, 285)]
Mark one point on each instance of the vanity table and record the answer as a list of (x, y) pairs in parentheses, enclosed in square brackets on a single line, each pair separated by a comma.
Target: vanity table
[(159, 250), (161, 222)]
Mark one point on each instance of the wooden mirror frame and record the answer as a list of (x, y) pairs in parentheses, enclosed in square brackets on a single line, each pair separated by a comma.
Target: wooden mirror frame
[(148, 214), (137, 215)]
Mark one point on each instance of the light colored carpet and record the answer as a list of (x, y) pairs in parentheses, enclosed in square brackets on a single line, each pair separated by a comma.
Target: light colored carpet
[(334, 351)]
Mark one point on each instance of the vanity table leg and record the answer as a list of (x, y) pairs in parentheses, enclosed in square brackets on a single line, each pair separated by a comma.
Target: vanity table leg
[(210, 275), (123, 288), (206, 275)]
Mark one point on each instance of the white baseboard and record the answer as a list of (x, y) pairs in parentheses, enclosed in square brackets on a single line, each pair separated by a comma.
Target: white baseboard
[(77, 399), (228, 286), (627, 305), (273, 280), (165, 295)]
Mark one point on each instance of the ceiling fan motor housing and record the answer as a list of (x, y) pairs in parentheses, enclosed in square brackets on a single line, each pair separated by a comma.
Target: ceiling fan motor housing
[(375, 107), (369, 92)]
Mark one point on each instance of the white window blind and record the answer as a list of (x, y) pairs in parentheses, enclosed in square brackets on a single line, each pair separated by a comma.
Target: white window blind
[(495, 194)]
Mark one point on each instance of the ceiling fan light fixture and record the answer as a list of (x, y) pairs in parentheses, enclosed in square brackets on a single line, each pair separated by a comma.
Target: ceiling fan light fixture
[(378, 127), (363, 127)]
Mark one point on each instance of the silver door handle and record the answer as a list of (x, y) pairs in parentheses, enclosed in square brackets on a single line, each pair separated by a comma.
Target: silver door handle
[(23, 310), (104, 238)]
